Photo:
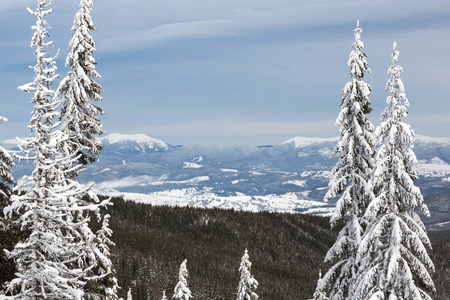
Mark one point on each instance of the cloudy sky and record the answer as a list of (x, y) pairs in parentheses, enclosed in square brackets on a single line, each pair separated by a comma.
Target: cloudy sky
[(237, 71)]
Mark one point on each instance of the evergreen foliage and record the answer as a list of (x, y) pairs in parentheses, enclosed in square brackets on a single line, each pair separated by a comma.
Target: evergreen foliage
[(7, 231), (6, 178), (394, 263), (319, 294), (79, 116), (182, 292), (247, 284), (50, 257), (164, 297), (288, 251), (80, 124), (102, 283), (43, 210), (350, 175)]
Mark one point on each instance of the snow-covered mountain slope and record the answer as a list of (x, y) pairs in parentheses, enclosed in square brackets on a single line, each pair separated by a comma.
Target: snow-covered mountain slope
[(302, 142), (289, 202), (138, 142), (234, 175)]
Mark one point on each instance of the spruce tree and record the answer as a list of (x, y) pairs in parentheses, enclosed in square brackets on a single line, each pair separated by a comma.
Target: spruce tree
[(102, 281), (44, 211), (247, 283), (79, 122), (7, 231), (79, 89), (350, 175), (182, 292), (394, 263), (6, 178), (164, 297), (319, 294)]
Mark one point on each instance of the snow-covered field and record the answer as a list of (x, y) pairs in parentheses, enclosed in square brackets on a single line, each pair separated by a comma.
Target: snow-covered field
[(204, 198)]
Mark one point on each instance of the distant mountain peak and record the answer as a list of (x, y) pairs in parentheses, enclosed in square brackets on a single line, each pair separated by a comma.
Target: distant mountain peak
[(300, 142), (431, 140), (143, 141)]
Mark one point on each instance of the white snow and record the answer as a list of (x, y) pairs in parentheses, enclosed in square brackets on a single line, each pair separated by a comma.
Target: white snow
[(194, 197), (145, 180), (101, 171), (434, 167), (295, 182), (142, 140), (431, 140), (256, 173), (229, 170), (300, 142), (191, 165)]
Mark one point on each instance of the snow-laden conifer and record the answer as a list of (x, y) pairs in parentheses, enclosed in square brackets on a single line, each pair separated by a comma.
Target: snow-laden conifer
[(41, 259), (129, 297), (7, 230), (182, 292), (319, 294), (164, 297), (6, 181), (102, 282), (79, 89), (47, 205), (247, 283), (351, 174), (394, 263), (80, 124), (6, 178)]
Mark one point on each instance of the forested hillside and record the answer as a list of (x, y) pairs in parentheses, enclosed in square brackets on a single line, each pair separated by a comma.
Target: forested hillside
[(286, 250)]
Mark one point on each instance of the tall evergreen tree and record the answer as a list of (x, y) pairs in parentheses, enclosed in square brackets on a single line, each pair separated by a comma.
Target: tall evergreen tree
[(351, 174), (78, 89), (182, 292), (79, 122), (394, 263), (6, 178), (102, 281), (7, 231), (247, 283), (43, 210), (319, 294)]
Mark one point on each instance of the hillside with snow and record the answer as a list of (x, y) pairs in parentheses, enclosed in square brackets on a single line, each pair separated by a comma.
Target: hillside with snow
[(291, 176)]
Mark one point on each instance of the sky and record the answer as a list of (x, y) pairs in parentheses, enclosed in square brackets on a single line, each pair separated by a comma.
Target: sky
[(254, 72)]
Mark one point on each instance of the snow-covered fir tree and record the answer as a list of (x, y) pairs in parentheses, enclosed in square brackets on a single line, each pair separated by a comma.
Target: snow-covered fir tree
[(394, 263), (79, 122), (7, 231), (164, 297), (79, 89), (247, 283), (102, 282), (351, 174), (182, 292), (43, 210), (129, 296), (6, 180), (319, 294)]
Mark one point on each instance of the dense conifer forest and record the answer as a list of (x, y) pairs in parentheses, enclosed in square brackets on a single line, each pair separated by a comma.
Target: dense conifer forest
[(286, 251)]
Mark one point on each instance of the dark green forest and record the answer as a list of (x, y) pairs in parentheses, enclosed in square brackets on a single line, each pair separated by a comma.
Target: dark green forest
[(287, 251)]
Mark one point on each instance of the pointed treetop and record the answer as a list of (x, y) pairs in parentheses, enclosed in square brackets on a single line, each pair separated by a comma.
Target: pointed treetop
[(395, 54), (357, 31)]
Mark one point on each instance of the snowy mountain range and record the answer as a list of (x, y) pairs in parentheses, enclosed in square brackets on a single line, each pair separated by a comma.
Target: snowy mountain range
[(291, 176)]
